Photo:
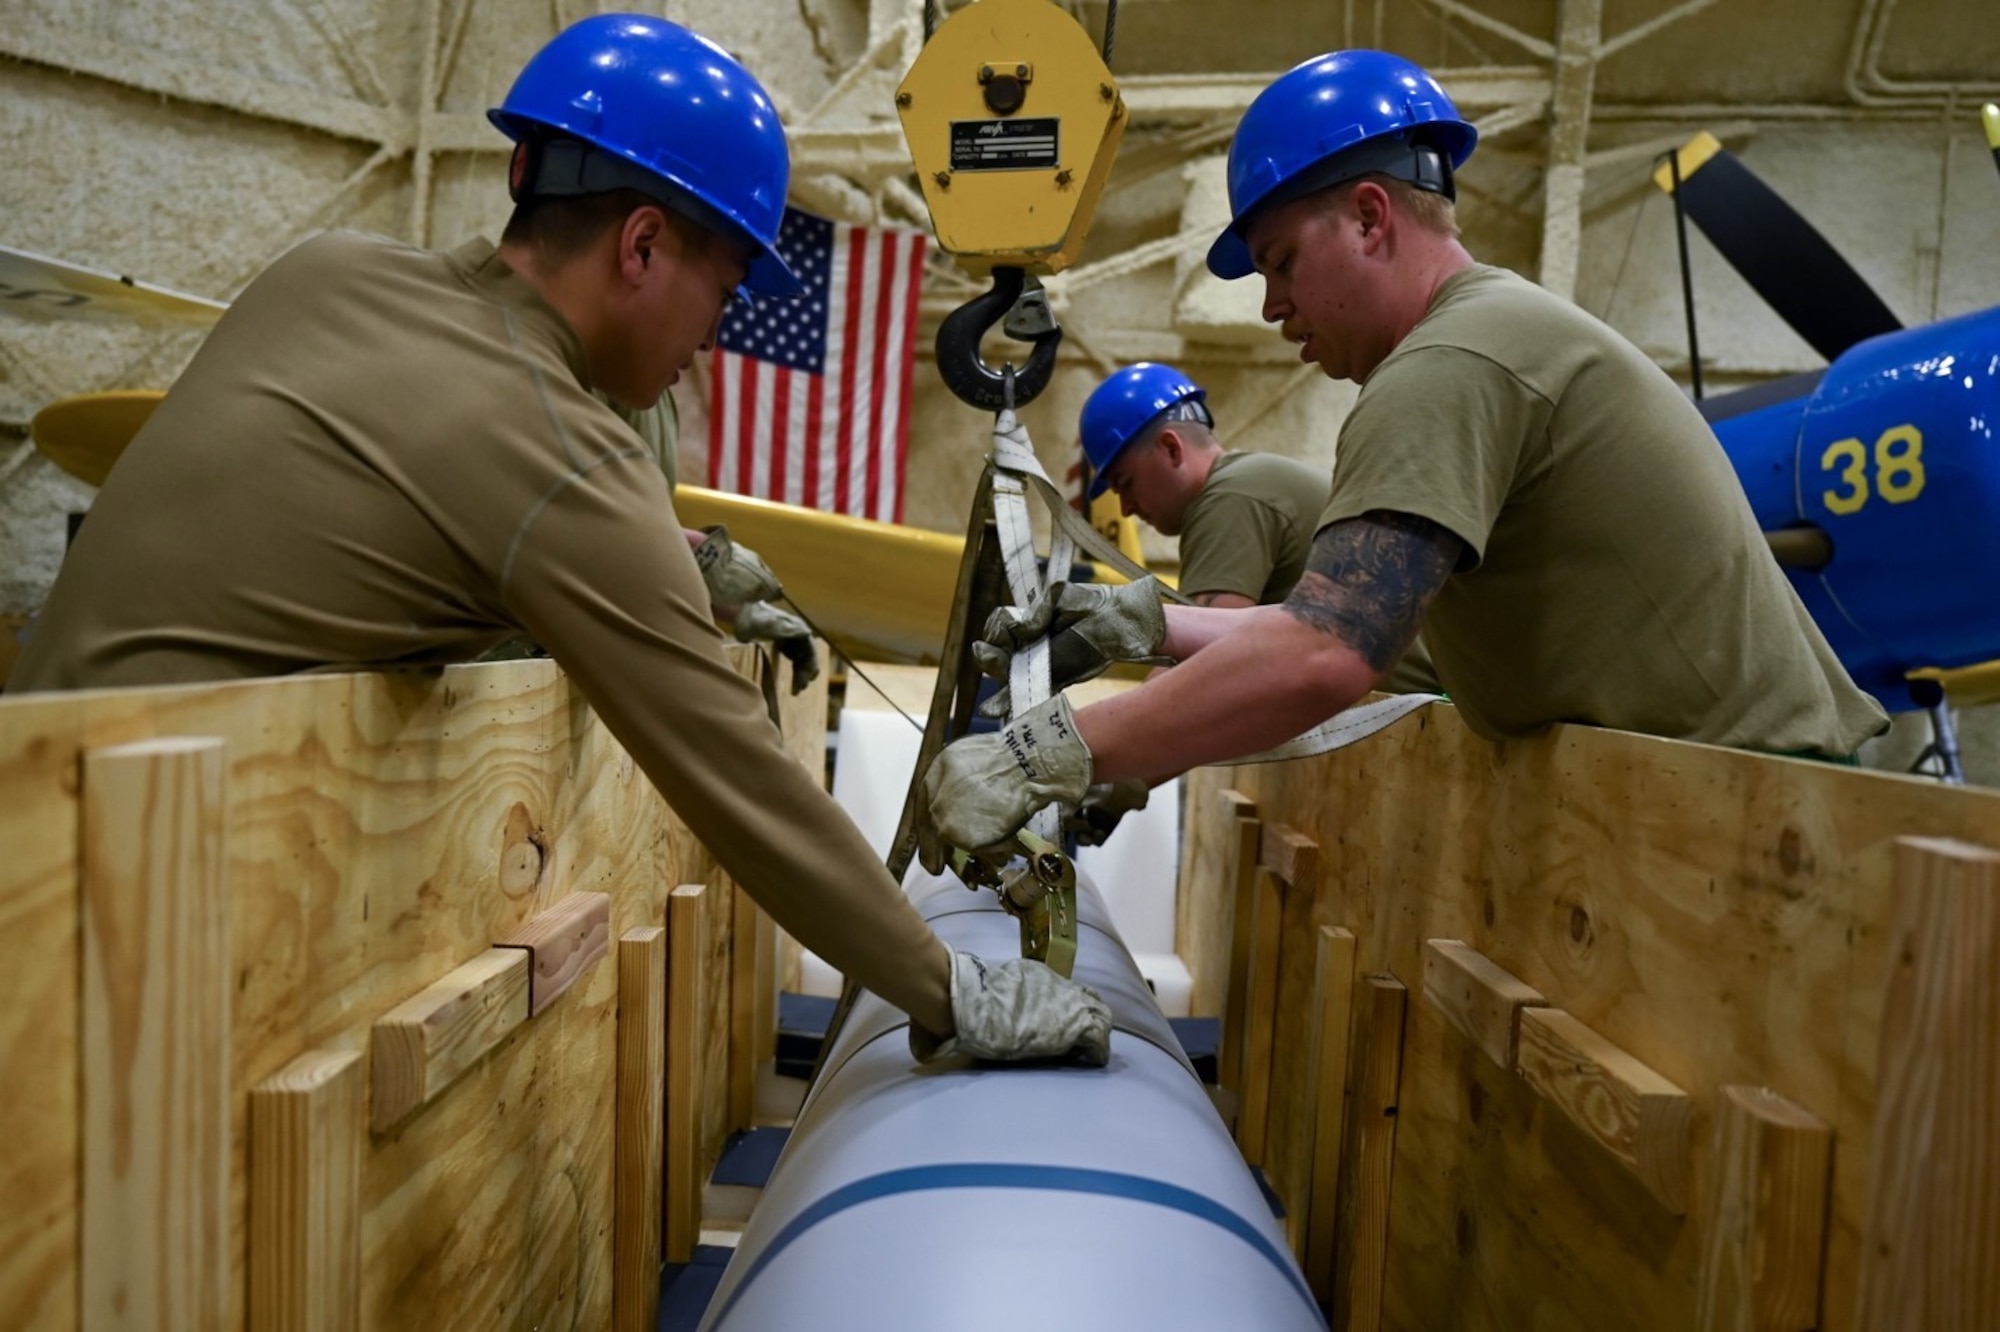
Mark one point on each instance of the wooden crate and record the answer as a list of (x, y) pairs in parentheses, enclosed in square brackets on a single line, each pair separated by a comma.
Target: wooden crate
[(1710, 923), (376, 833)]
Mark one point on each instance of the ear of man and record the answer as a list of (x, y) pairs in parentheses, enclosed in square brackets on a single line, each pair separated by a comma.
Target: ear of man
[(644, 238), (1187, 443), (1372, 208), (652, 232)]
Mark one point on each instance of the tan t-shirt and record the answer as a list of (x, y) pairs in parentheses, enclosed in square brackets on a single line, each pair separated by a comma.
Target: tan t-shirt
[(1250, 528), (389, 457), (1249, 532), (1613, 574), (659, 428)]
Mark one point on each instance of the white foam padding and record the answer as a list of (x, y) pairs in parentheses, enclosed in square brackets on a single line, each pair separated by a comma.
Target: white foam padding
[(1136, 871), (817, 976), (1172, 985), (872, 761), (873, 758)]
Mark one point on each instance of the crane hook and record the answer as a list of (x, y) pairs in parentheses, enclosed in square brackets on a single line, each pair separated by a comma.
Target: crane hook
[(966, 373)]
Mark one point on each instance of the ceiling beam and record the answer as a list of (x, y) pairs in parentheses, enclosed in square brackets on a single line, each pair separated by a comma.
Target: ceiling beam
[(1579, 25)]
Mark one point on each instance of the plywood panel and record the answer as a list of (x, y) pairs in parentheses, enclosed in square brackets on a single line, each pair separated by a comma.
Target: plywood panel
[(1205, 907), (804, 719), (1722, 916), (383, 828)]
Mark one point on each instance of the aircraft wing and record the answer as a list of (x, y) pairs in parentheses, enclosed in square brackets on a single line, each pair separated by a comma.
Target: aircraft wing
[(34, 286)]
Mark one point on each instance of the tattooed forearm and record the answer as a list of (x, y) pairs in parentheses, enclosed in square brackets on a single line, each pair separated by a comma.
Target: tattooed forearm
[(1369, 579)]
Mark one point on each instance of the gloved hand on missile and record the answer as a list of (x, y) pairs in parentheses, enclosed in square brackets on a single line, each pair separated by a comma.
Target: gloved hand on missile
[(1018, 1009), (735, 576), (981, 790), (1103, 805), (760, 621), (1091, 625)]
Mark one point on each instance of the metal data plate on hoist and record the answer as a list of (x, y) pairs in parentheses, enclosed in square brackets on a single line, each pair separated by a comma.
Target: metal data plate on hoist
[(1012, 120)]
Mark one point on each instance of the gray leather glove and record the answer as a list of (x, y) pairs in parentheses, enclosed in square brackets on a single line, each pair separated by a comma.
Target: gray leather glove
[(1018, 1009), (1103, 806), (734, 574), (982, 789), (1092, 625), (762, 622)]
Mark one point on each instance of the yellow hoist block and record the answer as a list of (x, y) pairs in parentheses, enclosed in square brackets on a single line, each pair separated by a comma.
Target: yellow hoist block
[(1012, 120)]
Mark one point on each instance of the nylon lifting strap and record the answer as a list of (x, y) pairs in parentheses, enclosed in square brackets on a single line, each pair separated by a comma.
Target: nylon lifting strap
[(1014, 456), (1340, 730)]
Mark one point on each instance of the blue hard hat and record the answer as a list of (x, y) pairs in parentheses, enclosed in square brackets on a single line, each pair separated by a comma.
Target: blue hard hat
[(1329, 120), (671, 114), (1119, 410)]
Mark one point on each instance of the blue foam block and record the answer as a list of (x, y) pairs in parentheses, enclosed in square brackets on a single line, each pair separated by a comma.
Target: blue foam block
[(749, 1157), (686, 1288)]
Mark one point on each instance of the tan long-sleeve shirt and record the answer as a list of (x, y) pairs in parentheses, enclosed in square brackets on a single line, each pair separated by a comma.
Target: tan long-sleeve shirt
[(390, 457)]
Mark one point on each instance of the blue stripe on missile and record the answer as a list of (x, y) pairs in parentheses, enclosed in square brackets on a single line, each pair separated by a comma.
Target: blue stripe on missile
[(1001, 1175)]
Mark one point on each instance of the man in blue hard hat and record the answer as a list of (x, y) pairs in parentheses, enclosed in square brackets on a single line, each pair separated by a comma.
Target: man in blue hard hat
[(1515, 478), (389, 457), (1245, 523), (1149, 436), (1245, 520)]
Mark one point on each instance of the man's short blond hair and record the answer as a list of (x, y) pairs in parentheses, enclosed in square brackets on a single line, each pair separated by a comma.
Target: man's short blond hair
[(1195, 430), (1427, 208)]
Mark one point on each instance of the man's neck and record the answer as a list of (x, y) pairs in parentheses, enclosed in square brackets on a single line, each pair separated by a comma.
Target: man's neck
[(1422, 272), (1201, 465), (565, 286), (1438, 265)]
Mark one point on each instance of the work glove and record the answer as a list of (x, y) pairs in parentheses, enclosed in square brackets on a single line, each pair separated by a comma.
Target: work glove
[(734, 574), (762, 622), (1091, 626), (1018, 1009), (982, 789), (1103, 806)]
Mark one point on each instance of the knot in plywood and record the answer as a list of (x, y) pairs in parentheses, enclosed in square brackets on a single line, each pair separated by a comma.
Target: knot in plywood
[(1795, 855), (522, 852)]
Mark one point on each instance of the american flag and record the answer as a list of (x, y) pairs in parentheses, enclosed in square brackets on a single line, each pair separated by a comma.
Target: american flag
[(810, 401)]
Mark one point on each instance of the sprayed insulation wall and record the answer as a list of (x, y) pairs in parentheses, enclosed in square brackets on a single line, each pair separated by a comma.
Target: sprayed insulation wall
[(188, 142)]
